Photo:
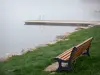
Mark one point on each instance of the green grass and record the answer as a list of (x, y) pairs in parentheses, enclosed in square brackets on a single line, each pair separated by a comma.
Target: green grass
[(33, 63)]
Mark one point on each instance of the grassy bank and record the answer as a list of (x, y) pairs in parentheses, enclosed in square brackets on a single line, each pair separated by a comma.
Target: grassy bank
[(33, 63)]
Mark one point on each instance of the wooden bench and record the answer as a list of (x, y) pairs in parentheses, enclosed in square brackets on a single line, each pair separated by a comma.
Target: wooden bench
[(72, 54)]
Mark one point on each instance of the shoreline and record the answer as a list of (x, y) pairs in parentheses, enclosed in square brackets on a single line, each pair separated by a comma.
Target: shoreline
[(58, 38)]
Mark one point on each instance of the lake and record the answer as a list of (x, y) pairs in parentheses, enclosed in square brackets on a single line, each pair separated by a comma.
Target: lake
[(14, 38)]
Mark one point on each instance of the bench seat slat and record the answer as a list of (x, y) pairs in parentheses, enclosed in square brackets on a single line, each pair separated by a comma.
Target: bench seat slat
[(66, 57), (64, 53)]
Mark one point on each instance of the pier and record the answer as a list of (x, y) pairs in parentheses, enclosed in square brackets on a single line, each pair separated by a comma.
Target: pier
[(61, 22)]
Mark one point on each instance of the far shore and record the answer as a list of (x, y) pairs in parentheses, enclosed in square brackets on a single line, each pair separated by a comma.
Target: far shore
[(62, 22)]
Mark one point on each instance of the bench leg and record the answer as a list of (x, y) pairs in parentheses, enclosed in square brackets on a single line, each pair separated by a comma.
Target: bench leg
[(87, 52), (69, 67), (60, 68)]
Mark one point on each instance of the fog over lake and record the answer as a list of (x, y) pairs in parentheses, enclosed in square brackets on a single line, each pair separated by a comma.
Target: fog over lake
[(14, 35)]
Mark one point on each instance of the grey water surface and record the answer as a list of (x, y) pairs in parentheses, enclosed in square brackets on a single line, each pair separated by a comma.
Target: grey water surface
[(15, 39)]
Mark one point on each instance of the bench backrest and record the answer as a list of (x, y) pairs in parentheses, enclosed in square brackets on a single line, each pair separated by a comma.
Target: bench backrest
[(79, 49)]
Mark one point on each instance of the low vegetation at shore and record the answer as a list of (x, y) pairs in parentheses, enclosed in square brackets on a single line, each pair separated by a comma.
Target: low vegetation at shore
[(34, 62)]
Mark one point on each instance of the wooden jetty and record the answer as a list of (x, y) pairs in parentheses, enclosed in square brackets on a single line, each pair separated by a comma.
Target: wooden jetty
[(61, 22)]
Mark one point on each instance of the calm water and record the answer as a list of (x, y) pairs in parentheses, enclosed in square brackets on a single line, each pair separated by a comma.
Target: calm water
[(14, 35), (15, 38)]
